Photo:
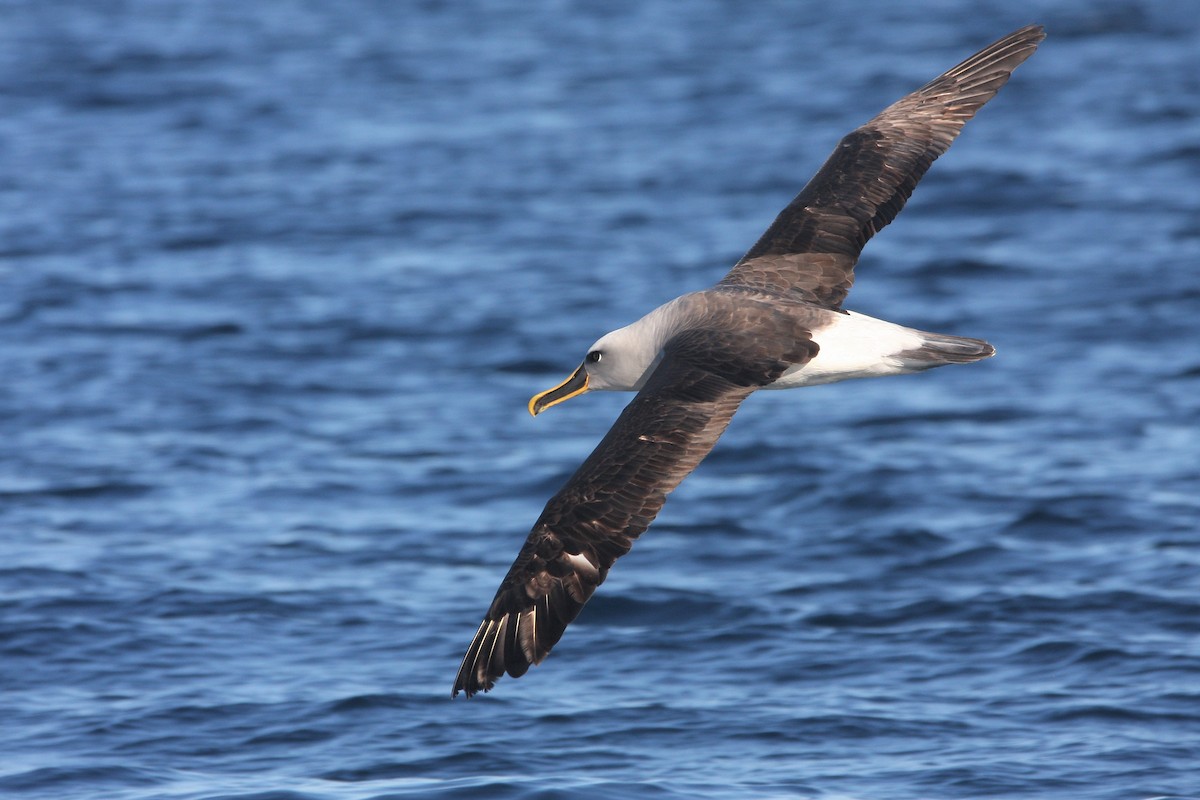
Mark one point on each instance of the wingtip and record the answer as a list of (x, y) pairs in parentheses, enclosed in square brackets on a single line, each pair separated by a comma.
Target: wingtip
[(1025, 39), (461, 685), (469, 688), (1032, 33)]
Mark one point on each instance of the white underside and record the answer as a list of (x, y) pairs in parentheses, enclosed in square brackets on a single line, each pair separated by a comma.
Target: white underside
[(854, 346)]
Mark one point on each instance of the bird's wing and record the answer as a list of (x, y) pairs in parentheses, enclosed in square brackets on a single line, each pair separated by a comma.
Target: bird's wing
[(658, 439), (811, 248)]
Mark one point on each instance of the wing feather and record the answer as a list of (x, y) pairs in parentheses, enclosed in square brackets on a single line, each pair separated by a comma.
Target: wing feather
[(811, 248)]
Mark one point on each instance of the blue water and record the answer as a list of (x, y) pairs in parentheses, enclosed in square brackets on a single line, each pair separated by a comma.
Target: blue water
[(277, 279)]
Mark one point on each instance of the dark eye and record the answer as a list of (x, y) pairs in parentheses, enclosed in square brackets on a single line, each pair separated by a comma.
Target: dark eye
[(594, 356)]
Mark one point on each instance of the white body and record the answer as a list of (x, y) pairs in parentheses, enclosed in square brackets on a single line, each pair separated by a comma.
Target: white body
[(854, 346)]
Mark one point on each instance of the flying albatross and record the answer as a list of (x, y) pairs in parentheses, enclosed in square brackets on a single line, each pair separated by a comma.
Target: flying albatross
[(774, 322)]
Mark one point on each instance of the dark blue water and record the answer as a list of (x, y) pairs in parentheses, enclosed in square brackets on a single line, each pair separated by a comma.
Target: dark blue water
[(276, 280)]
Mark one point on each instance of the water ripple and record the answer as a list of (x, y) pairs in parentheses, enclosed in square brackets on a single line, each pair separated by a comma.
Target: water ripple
[(277, 280)]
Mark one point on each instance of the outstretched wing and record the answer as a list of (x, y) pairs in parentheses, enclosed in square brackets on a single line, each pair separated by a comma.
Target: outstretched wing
[(660, 437), (811, 248)]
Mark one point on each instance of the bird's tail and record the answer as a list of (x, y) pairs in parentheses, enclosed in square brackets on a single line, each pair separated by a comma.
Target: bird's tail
[(938, 349)]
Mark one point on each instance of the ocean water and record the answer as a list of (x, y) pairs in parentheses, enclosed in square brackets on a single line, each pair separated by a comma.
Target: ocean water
[(277, 279)]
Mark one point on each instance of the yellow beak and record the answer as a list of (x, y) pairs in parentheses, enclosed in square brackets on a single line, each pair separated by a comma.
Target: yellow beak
[(574, 385)]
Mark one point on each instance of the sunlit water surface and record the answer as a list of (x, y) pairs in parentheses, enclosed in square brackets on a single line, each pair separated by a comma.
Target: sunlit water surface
[(276, 280)]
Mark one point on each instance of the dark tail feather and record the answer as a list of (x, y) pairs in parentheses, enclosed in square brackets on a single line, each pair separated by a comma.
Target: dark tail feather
[(938, 349)]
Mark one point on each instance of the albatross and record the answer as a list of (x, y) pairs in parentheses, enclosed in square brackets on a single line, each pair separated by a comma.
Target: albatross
[(775, 321)]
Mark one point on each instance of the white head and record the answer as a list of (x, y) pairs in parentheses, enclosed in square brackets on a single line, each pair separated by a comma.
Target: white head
[(618, 361)]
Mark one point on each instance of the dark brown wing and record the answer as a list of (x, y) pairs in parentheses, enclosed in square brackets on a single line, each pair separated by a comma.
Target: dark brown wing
[(659, 438), (811, 248)]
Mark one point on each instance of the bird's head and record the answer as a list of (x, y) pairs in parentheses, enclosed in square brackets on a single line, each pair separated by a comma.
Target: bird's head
[(618, 361)]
